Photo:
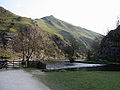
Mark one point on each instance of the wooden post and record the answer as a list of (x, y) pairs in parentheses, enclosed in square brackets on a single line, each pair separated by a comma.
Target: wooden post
[(6, 64), (19, 63), (27, 63), (13, 63)]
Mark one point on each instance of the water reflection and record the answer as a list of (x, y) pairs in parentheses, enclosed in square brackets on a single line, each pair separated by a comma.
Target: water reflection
[(53, 65), (66, 64)]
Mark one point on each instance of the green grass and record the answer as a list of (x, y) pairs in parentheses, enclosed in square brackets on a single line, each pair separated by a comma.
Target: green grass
[(82, 80), (8, 54), (29, 69)]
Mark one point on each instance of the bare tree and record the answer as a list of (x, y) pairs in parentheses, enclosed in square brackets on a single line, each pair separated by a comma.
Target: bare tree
[(27, 41), (95, 48), (107, 31), (96, 45), (118, 22)]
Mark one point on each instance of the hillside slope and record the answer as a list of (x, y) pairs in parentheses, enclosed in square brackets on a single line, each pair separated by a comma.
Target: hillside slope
[(79, 38), (12, 26), (56, 39)]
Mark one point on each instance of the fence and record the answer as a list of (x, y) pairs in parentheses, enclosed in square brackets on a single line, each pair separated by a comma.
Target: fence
[(19, 64)]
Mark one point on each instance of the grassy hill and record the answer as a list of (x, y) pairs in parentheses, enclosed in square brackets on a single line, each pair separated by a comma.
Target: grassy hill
[(8, 20), (80, 38), (58, 39)]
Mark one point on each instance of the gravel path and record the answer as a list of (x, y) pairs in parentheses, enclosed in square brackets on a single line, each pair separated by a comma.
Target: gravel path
[(19, 80)]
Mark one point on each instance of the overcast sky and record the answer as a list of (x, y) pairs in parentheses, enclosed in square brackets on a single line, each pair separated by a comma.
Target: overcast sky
[(95, 15)]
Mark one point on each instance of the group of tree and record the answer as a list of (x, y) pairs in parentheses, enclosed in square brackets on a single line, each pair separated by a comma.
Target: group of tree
[(28, 41), (94, 48)]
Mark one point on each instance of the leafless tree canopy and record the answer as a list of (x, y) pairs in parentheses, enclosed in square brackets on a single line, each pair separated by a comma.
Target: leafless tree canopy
[(28, 41)]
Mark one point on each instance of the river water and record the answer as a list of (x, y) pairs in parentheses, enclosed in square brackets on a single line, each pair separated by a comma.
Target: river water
[(55, 65)]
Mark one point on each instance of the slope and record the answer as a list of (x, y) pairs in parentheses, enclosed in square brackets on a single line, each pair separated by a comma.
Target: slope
[(79, 38), (57, 39), (12, 25)]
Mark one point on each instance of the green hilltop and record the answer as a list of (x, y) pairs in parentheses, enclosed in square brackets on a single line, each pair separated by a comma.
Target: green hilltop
[(12, 21), (80, 37)]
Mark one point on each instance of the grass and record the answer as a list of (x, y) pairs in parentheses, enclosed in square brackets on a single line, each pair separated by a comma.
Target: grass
[(8, 54), (82, 80), (29, 69)]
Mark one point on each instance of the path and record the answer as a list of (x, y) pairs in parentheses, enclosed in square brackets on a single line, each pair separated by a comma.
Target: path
[(19, 80)]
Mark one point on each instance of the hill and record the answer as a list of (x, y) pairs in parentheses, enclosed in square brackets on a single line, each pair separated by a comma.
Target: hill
[(110, 46), (80, 38), (45, 38)]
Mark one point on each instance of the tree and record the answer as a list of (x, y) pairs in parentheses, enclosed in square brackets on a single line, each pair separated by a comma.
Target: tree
[(94, 48), (118, 22), (27, 41), (89, 54), (96, 45)]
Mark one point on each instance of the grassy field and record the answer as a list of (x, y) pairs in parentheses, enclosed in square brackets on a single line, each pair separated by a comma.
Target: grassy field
[(82, 80)]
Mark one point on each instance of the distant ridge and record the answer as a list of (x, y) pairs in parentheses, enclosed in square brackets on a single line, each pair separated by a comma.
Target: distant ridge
[(81, 37)]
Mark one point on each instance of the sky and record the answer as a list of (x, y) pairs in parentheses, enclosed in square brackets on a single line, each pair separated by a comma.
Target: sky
[(96, 15)]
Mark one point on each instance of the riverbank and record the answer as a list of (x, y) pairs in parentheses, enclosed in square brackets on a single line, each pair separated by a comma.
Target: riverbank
[(96, 61), (81, 80)]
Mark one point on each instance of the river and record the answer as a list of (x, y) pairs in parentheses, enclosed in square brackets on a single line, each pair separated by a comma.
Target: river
[(56, 65)]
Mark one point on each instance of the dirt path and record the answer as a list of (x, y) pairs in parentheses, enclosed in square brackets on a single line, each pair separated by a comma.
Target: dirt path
[(19, 80)]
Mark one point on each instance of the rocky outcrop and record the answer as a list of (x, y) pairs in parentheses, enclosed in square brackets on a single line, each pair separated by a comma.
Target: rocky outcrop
[(110, 46), (64, 46)]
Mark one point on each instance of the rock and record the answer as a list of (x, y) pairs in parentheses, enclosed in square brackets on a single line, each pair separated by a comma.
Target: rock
[(110, 46)]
